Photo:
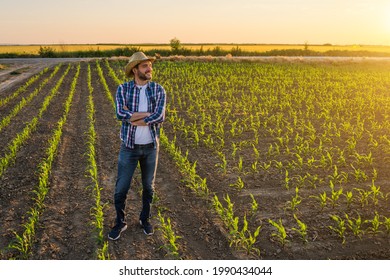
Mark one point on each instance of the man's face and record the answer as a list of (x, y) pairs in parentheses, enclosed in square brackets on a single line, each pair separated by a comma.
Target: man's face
[(144, 70)]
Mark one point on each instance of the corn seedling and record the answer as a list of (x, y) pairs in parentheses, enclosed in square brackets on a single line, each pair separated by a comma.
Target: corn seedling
[(239, 184), (335, 195), (245, 239), (280, 234), (223, 164), (301, 230), (338, 177), (287, 180), (386, 223), (374, 223), (254, 204), (349, 197), (295, 201), (265, 166), (166, 228), (339, 228), (322, 198), (360, 175), (375, 193), (363, 196), (355, 225)]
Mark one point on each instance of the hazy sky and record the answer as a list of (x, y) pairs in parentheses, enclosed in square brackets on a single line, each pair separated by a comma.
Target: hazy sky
[(195, 21)]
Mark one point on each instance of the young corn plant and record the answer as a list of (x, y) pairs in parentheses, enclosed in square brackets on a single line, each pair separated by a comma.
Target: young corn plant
[(386, 223), (349, 197), (355, 225), (301, 230), (223, 164), (295, 201), (375, 193), (239, 238), (360, 175), (374, 223), (226, 214), (338, 177), (335, 195), (239, 184), (166, 228), (339, 228), (265, 166), (287, 180), (254, 205), (254, 167), (322, 198), (280, 234), (247, 240), (363, 196)]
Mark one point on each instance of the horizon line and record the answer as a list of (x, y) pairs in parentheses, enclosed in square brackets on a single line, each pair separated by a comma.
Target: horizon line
[(183, 43)]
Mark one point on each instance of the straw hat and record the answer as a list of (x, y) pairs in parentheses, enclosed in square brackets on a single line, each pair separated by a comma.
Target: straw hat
[(136, 59)]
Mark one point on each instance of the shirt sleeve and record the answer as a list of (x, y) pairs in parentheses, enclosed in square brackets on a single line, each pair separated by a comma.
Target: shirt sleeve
[(121, 113), (158, 116)]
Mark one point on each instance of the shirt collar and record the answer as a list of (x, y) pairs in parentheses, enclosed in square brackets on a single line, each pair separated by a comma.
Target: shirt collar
[(133, 84)]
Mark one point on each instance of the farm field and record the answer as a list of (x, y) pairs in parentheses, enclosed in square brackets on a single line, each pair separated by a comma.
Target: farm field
[(259, 160), (34, 49)]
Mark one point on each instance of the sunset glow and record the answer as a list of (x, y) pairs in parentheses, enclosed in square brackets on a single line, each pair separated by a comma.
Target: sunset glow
[(204, 21)]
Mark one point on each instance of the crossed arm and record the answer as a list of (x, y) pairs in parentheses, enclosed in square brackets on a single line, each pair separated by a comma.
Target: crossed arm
[(137, 118)]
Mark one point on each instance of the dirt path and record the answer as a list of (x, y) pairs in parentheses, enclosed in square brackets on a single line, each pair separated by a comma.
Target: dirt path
[(20, 69)]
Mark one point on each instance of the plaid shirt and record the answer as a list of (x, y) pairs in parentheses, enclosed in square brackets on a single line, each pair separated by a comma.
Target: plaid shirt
[(127, 95)]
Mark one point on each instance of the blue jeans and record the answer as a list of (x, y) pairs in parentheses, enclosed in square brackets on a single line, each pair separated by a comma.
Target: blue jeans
[(128, 159)]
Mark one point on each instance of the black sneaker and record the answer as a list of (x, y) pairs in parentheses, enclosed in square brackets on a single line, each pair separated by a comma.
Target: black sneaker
[(116, 231), (147, 227)]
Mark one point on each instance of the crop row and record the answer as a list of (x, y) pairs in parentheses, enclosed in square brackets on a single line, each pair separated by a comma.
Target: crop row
[(20, 138), (24, 241)]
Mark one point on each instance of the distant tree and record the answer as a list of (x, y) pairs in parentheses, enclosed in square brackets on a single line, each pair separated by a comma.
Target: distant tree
[(46, 52), (306, 46), (175, 45)]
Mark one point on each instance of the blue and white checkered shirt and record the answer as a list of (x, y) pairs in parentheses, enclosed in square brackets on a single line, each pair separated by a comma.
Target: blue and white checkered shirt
[(127, 95)]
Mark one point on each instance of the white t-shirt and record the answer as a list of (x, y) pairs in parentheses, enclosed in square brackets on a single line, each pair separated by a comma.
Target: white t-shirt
[(142, 133)]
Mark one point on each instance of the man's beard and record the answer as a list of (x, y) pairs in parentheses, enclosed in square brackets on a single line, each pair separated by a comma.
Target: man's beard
[(143, 76)]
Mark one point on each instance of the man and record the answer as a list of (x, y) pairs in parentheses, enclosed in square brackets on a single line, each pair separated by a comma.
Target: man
[(140, 105)]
